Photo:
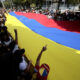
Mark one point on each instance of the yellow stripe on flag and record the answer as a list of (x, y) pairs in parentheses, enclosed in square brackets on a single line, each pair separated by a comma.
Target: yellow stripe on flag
[(64, 62)]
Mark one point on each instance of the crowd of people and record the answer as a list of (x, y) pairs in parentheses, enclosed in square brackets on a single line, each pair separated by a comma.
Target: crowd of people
[(13, 62), (57, 15), (66, 16)]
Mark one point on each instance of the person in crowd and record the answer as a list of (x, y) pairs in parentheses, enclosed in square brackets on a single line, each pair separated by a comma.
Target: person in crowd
[(14, 56), (25, 69), (51, 12), (4, 18), (49, 16), (21, 67), (36, 74), (5, 36), (1, 20)]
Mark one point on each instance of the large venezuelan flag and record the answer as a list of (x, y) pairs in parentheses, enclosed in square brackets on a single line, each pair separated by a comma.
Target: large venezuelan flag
[(62, 55)]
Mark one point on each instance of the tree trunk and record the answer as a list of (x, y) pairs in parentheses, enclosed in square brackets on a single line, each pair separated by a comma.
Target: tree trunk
[(58, 5)]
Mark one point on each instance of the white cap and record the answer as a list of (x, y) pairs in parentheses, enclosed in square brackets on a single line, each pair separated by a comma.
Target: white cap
[(23, 65)]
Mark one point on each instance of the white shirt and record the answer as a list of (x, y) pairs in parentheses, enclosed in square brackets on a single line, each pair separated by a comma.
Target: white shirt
[(15, 48), (49, 16), (23, 65), (8, 42)]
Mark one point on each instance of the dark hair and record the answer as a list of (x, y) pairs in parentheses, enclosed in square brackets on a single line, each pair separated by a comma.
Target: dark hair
[(12, 45), (19, 52), (18, 55), (4, 28), (5, 33)]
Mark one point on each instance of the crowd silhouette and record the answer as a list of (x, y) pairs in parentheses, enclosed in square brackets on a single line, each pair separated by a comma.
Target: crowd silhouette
[(13, 62)]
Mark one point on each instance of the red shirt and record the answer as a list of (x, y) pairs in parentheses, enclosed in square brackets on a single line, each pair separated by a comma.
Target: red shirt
[(45, 73)]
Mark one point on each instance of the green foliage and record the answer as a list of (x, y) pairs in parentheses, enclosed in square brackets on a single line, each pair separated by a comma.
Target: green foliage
[(18, 2), (31, 1), (7, 4), (73, 2), (0, 4), (28, 3), (33, 5)]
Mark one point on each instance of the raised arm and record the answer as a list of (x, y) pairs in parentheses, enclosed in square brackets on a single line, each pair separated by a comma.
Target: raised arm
[(40, 54), (29, 65), (16, 36)]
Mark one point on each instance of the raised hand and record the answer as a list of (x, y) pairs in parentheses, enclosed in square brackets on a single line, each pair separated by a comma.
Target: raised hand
[(44, 48), (15, 30)]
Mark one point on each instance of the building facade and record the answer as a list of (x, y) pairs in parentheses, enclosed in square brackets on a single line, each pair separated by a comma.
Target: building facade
[(58, 4), (52, 3)]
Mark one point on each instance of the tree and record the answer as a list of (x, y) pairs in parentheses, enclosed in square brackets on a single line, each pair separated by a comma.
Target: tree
[(7, 4), (19, 2), (0, 4), (31, 3), (59, 2), (38, 3), (27, 3), (73, 2)]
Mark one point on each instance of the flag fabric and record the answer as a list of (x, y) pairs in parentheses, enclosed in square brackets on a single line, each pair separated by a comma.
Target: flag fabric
[(62, 54)]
